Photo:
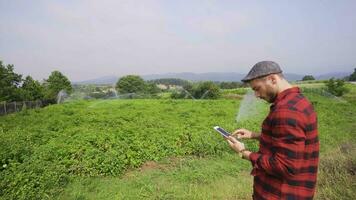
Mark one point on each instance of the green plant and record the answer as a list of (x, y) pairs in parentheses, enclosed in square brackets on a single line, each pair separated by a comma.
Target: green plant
[(42, 149), (308, 78), (336, 87)]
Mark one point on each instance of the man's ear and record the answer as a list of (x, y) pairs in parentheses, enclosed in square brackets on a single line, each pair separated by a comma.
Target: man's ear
[(273, 78)]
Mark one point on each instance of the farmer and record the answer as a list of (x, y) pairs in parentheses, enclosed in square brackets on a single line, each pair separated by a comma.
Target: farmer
[(285, 166)]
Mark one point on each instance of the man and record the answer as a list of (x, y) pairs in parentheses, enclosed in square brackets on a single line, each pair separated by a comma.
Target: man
[(285, 166)]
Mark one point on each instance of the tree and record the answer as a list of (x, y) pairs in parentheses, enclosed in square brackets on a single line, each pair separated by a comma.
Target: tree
[(130, 84), (336, 87), (9, 84), (230, 85), (55, 83), (206, 90), (308, 78), (32, 89), (353, 76)]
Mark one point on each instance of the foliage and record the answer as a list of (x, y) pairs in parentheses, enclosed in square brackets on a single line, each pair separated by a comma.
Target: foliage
[(151, 88), (175, 94), (336, 87), (101, 92), (308, 78), (230, 85), (135, 84), (9, 83), (131, 84), (200, 90), (55, 83), (238, 91), (207, 90), (32, 89), (228, 177), (353, 76), (14, 88), (103, 138), (170, 81), (185, 177), (336, 173)]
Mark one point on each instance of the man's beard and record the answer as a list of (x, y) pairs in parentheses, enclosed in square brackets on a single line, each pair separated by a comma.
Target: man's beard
[(271, 97)]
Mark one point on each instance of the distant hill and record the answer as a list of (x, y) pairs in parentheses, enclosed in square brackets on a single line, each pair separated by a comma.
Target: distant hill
[(98, 81), (211, 76), (333, 74)]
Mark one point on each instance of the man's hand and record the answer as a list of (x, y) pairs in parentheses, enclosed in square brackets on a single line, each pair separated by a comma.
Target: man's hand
[(245, 134), (235, 144)]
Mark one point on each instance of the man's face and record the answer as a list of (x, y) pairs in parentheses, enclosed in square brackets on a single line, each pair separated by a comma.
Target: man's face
[(265, 88)]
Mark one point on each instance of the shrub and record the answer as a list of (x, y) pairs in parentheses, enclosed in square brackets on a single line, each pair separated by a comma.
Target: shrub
[(336, 87)]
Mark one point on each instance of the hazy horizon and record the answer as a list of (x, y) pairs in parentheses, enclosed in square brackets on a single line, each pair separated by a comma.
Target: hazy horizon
[(92, 39)]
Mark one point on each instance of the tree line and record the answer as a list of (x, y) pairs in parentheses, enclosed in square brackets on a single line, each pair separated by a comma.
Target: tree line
[(351, 77), (184, 89), (13, 87)]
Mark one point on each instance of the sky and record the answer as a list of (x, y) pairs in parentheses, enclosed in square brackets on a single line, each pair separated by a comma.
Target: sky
[(86, 39)]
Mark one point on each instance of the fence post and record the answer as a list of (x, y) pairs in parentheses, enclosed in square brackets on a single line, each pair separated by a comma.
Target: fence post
[(5, 107), (15, 106)]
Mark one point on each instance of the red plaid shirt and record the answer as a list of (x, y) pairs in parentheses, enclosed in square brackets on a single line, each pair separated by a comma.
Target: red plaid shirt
[(286, 165)]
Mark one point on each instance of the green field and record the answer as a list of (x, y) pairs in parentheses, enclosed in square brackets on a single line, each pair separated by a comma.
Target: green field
[(155, 149)]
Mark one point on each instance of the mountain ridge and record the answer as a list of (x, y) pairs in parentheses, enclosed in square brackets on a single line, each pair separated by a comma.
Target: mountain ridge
[(208, 76)]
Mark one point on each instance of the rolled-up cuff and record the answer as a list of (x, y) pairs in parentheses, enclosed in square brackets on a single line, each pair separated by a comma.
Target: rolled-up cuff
[(254, 158)]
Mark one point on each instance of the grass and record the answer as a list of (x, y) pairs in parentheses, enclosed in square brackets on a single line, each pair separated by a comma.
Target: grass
[(184, 178), (336, 178)]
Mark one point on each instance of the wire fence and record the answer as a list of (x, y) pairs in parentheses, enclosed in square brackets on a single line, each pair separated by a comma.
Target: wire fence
[(11, 107)]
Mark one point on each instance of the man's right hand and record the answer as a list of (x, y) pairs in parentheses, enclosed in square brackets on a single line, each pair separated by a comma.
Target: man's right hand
[(245, 134)]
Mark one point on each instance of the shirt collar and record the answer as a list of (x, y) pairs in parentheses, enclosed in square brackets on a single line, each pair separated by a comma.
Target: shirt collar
[(286, 92)]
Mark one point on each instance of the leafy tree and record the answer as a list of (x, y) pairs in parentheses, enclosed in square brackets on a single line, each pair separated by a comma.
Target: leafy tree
[(308, 78), (130, 84), (353, 76), (230, 85), (9, 83), (336, 87), (32, 89), (55, 83), (207, 90)]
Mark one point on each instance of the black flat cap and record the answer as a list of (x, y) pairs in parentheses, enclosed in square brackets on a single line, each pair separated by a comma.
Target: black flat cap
[(261, 69)]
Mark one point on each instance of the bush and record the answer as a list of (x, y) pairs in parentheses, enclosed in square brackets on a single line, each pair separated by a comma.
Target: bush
[(201, 90), (353, 76), (336, 87), (206, 90), (230, 85), (308, 78)]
